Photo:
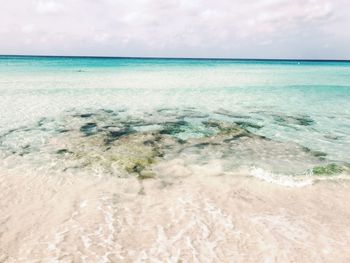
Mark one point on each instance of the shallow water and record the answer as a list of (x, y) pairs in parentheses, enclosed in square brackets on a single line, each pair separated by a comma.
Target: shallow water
[(161, 160)]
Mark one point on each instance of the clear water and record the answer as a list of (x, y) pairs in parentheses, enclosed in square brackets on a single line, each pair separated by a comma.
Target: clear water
[(299, 103), (168, 160)]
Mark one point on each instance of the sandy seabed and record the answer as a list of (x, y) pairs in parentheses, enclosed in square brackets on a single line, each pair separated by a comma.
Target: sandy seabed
[(202, 217)]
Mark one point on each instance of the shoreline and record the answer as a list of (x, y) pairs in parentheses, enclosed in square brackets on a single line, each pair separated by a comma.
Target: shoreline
[(71, 217)]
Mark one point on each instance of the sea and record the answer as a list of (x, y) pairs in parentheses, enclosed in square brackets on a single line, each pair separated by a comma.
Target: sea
[(124, 130)]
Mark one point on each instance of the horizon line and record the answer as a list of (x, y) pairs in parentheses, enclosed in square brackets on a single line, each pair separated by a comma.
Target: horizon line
[(177, 58)]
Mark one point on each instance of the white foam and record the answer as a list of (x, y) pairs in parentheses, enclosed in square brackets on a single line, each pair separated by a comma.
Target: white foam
[(279, 179)]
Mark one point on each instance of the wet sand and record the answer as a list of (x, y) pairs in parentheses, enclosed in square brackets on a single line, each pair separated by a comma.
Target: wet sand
[(198, 215)]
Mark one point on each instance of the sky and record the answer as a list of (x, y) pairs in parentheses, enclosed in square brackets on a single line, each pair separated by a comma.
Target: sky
[(299, 29)]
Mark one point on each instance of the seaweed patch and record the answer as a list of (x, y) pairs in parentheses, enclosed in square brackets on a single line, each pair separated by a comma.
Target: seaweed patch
[(328, 170)]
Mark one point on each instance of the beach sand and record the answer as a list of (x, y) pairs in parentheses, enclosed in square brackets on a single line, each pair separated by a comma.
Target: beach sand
[(196, 216)]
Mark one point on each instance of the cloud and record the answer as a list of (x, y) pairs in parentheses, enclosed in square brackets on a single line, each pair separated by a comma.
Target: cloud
[(28, 28), (48, 7), (223, 28)]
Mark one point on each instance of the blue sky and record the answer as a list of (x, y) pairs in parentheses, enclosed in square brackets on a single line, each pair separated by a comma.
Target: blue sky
[(311, 29)]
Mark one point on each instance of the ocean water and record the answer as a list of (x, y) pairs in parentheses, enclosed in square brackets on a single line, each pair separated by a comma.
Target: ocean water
[(85, 136), (304, 102)]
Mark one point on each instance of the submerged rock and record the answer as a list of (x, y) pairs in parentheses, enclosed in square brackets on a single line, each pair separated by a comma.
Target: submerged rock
[(115, 135), (172, 128), (302, 120), (319, 154), (245, 124), (112, 143), (228, 131), (89, 129), (63, 151), (86, 115)]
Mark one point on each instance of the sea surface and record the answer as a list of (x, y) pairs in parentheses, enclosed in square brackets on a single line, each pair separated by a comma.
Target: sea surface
[(301, 102), (110, 135)]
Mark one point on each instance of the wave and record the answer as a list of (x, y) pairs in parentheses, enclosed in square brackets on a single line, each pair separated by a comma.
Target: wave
[(280, 179)]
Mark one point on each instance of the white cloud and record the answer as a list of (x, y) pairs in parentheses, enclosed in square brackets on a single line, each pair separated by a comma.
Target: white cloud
[(224, 28), (29, 28), (48, 7)]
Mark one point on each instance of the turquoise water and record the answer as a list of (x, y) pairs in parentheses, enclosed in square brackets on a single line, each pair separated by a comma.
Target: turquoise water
[(304, 103)]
